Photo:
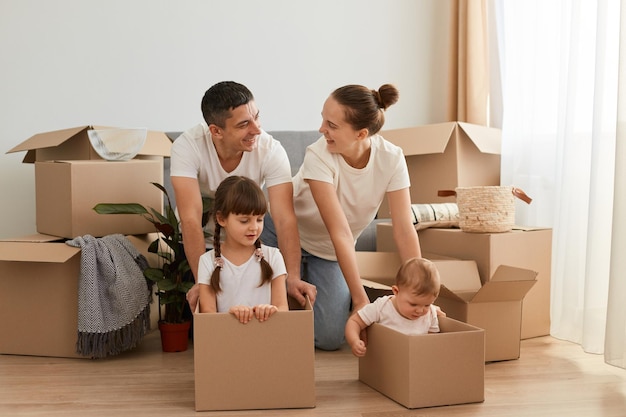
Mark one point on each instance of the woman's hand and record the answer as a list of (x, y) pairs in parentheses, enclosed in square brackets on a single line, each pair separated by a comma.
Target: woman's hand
[(243, 313), (263, 312)]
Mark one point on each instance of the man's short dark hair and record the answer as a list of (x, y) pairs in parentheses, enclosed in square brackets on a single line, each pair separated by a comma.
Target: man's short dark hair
[(221, 98)]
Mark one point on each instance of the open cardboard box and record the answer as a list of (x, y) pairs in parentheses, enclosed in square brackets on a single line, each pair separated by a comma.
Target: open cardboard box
[(427, 370), (73, 144), (67, 191), (495, 306), (447, 155), (266, 365), (523, 247), (39, 278)]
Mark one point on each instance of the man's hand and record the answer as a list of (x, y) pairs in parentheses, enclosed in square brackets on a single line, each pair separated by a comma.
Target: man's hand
[(192, 297), (298, 290)]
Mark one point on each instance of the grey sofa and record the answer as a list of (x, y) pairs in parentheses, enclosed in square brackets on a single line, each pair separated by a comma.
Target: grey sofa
[(295, 143)]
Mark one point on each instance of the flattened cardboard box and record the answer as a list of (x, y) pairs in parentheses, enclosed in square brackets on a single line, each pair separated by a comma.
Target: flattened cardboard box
[(267, 365), (529, 248), (39, 278), (73, 144), (495, 306), (426, 370), (67, 191), (447, 155)]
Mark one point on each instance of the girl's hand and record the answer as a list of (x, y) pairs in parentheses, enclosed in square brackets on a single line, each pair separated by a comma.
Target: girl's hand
[(243, 313), (264, 311)]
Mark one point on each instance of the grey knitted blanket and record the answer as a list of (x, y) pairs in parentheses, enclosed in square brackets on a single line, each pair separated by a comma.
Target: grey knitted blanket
[(113, 296)]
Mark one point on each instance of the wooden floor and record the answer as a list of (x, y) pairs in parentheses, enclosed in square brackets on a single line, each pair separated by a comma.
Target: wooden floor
[(552, 378)]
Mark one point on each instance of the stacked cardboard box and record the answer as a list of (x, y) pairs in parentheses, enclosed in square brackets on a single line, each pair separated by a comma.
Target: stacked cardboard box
[(71, 178), (39, 274), (447, 155), (444, 156)]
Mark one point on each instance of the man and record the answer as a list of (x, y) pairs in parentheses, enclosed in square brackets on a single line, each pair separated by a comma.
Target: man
[(231, 142)]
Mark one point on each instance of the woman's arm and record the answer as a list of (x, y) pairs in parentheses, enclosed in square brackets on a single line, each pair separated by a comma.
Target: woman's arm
[(337, 225), (404, 233)]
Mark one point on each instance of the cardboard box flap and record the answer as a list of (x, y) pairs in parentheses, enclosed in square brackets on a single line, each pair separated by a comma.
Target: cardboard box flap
[(47, 139), (503, 291), (508, 283), (375, 285), (445, 292), (36, 252), (511, 273), (439, 135), (378, 266), (157, 143), (37, 237), (458, 275), (486, 139)]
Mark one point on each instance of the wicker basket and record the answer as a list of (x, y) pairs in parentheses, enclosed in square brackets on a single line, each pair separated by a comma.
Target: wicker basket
[(487, 209)]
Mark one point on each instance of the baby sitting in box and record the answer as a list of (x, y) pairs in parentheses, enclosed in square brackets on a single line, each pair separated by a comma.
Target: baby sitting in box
[(410, 310)]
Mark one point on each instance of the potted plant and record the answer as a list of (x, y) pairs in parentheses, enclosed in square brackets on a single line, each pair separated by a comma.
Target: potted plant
[(169, 276)]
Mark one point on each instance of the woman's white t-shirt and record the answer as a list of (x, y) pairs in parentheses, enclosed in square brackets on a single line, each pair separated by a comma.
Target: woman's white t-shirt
[(360, 191), (240, 283)]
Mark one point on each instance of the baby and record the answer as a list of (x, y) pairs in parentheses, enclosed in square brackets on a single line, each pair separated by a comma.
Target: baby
[(410, 310)]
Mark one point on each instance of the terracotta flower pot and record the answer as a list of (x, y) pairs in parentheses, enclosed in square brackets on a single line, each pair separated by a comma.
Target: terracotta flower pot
[(174, 336)]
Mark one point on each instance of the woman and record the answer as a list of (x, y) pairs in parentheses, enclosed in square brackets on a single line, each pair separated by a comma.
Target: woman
[(337, 192)]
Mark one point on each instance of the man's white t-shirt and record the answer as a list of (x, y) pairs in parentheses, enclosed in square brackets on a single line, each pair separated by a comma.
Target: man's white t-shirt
[(382, 311), (360, 191), (240, 283), (193, 155)]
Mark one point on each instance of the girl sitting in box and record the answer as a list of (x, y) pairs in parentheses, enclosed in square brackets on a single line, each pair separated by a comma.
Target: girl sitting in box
[(239, 275)]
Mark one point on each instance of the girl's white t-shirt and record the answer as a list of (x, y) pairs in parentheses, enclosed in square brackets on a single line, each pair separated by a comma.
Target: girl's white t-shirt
[(240, 283)]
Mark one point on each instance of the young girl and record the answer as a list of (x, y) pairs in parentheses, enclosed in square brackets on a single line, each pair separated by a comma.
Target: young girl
[(240, 275)]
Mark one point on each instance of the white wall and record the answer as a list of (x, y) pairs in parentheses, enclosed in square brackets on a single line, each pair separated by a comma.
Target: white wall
[(66, 63)]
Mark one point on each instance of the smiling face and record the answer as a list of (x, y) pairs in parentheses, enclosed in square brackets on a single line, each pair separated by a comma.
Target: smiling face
[(240, 130), (340, 136), (410, 305)]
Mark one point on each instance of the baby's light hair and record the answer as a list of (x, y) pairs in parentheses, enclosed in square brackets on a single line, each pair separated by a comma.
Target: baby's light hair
[(420, 276)]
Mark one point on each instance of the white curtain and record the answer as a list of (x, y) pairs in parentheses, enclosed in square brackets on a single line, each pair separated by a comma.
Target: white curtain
[(558, 63)]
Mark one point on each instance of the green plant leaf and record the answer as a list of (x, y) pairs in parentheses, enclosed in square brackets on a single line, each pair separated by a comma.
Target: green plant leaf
[(120, 208)]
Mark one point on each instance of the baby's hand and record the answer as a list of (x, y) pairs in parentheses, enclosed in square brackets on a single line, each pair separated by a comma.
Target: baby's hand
[(359, 349), (243, 313), (264, 311)]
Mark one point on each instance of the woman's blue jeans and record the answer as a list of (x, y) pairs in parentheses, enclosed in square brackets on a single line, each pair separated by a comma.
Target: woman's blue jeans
[(332, 304)]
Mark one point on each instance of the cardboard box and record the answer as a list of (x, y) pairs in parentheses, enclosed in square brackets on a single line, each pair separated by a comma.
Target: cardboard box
[(256, 365), (495, 306), (73, 144), (67, 191), (39, 278), (447, 155), (426, 370), (529, 248)]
